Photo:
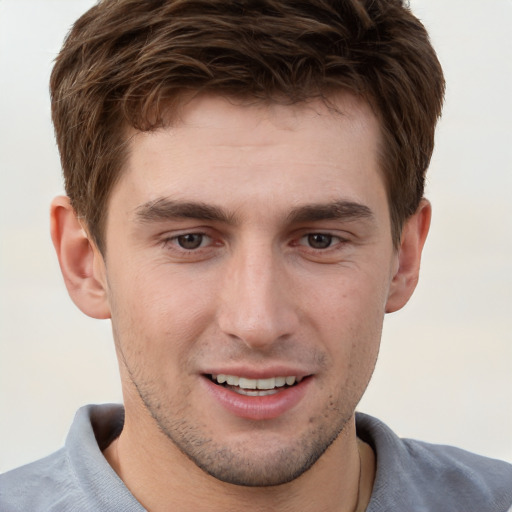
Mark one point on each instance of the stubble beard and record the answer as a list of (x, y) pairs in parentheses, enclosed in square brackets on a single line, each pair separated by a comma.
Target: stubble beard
[(237, 464), (272, 460)]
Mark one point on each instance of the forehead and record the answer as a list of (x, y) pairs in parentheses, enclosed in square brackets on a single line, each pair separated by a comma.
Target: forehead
[(246, 121), (235, 154)]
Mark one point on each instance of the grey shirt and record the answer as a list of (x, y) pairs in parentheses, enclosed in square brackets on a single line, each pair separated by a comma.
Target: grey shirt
[(411, 476)]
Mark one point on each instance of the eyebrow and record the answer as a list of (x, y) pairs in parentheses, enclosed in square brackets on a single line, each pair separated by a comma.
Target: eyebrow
[(337, 210), (168, 209), (163, 209)]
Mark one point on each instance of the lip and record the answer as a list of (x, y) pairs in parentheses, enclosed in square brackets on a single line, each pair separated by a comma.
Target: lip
[(258, 407), (263, 373)]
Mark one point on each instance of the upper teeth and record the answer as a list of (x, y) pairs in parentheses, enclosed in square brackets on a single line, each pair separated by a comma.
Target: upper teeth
[(271, 383)]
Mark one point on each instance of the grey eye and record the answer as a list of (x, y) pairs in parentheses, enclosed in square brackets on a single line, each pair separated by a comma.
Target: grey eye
[(190, 240), (319, 240)]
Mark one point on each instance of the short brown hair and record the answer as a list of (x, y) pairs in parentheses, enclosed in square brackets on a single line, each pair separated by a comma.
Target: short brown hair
[(126, 62)]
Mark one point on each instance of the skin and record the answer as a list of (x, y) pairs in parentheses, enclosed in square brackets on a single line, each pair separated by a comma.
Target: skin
[(288, 269)]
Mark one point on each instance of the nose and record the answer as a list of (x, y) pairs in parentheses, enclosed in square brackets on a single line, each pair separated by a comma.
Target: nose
[(257, 304)]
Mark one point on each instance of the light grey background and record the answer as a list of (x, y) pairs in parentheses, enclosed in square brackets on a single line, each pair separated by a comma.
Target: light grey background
[(445, 369)]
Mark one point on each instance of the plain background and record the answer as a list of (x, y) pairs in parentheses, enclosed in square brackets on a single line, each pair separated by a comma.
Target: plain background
[(445, 369)]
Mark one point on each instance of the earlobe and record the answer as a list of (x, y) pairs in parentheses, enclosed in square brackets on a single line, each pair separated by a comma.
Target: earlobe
[(80, 261), (414, 234)]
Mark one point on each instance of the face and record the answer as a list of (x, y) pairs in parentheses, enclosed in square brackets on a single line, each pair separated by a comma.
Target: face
[(248, 265)]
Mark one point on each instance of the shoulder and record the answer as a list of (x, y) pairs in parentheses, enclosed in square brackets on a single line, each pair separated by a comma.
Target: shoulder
[(482, 483), (46, 484), (427, 477), (77, 477)]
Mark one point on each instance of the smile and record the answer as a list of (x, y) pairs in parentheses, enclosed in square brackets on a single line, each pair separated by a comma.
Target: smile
[(255, 387)]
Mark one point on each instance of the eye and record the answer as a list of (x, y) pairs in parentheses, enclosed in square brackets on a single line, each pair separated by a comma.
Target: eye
[(319, 240), (191, 246), (191, 241)]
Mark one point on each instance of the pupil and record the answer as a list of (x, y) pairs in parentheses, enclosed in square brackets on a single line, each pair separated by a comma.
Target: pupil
[(190, 241), (319, 241)]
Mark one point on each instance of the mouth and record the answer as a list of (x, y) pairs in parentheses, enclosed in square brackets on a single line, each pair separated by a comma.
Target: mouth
[(255, 387)]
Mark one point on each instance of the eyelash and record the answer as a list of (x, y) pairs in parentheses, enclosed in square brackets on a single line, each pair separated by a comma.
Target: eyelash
[(332, 239), (207, 241), (174, 241), (202, 236)]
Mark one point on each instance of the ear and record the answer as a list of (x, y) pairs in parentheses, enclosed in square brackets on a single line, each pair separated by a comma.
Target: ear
[(81, 262), (414, 234)]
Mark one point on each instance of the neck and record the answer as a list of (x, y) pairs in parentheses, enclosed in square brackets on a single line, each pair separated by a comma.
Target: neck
[(158, 474)]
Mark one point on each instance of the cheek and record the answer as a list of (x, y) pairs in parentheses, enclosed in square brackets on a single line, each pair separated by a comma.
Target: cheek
[(349, 299), (350, 313), (155, 313)]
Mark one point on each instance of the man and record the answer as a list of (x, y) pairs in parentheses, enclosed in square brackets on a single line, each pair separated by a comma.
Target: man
[(245, 202)]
